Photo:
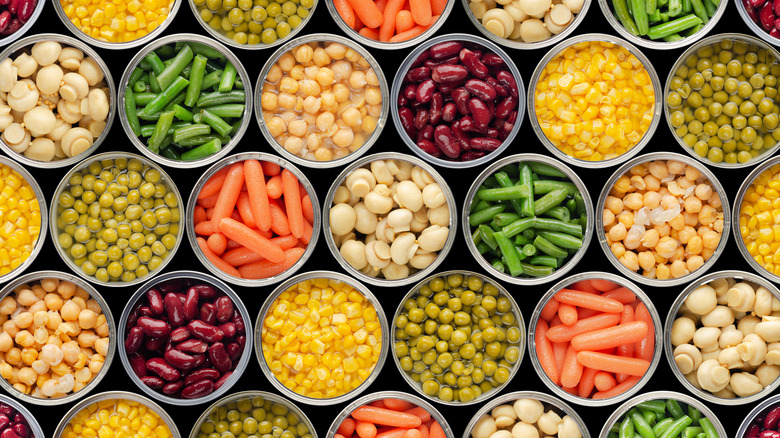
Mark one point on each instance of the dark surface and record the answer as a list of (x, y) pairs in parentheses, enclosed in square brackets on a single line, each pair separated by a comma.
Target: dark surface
[(459, 258)]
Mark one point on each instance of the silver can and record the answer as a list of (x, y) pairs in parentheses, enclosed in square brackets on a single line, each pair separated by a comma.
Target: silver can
[(35, 427), (590, 276), (351, 33), (519, 321), (55, 231), (112, 337), (656, 395), (24, 45), (116, 396), (315, 38), (75, 30), (172, 39), (513, 159), (661, 44), (5, 161), (193, 202), (579, 17), (691, 51), (602, 238), (6, 40), (406, 65), (364, 162), (558, 405), (381, 395), (669, 348), (260, 323), (751, 178), (238, 304), (243, 395), (760, 410), (555, 51)]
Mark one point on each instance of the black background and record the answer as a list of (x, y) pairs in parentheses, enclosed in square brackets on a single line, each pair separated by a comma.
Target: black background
[(459, 258)]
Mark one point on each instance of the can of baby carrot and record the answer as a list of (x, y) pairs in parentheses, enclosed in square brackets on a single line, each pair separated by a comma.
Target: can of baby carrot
[(582, 339)]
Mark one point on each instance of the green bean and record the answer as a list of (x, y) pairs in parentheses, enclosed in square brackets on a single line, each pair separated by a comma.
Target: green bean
[(130, 109), (138, 87), (483, 248), (691, 431), (147, 117), (562, 240), (676, 428), (230, 110), (529, 250), (546, 170), (143, 99), (650, 6), (503, 181), (571, 205), (695, 414), (144, 64), (182, 113), (202, 151), (210, 80), (641, 426), (700, 10), (148, 130), (135, 76), (498, 266), (692, 30), (548, 247), (485, 215), (201, 49), (219, 125), (479, 206), (228, 78), (674, 408), (710, 7), (160, 132), (627, 428), (546, 186), (639, 13), (623, 15), (171, 72), (536, 271), (201, 139), (650, 416), (154, 85), (509, 252), (559, 212), (526, 180), (657, 406), (687, 7), (504, 219), (549, 201), (662, 425), (486, 233), (504, 193), (155, 63), (521, 240), (530, 234), (166, 96), (519, 226), (165, 51), (708, 428), (672, 27), (170, 153), (217, 98), (196, 80), (654, 16), (545, 260), (701, 435), (190, 131), (673, 38)]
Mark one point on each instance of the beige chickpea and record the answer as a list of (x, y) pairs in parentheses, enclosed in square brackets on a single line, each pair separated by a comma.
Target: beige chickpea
[(276, 126), (343, 137), (286, 100), (286, 62), (336, 50), (341, 93), (269, 101), (274, 73), (310, 87), (293, 144), (304, 53), (297, 128), (311, 104), (326, 77)]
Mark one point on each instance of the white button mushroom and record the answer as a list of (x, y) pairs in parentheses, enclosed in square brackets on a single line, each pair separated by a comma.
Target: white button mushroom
[(25, 65), (763, 303), (712, 376), (687, 357), (523, 429), (354, 253), (433, 238), (365, 222), (535, 8), (41, 149), (729, 358), (575, 6), (342, 219), (767, 374), (745, 384), (91, 71), (533, 30), (528, 410), (485, 427), (769, 329), (720, 316), (408, 195), (498, 22), (747, 324), (40, 120), (70, 58), (98, 104), (381, 172), (548, 422), (568, 428), (75, 87), (422, 259), (49, 78), (753, 349), (46, 52), (394, 271), (741, 297), (400, 220), (16, 137), (378, 254), (76, 141), (433, 196), (683, 329), (702, 300), (23, 96), (8, 75), (706, 338), (403, 248)]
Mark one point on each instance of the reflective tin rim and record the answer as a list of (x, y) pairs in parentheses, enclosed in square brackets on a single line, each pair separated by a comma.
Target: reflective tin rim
[(112, 337), (657, 353), (520, 321), (520, 45), (666, 156), (370, 141), (765, 405), (237, 304), (350, 32), (656, 395), (64, 183), (117, 46), (170, 39), (384, 326), (44, 218), (669, 349), (117, 396), (555, 51), (681, 61), (229, 42), (417, 276), (573, 177), (511, 397), (190, 219), (108, 78), (401, 74)]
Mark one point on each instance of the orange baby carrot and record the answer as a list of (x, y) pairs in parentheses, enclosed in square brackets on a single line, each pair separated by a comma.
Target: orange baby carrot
[(307, 232), (583, 313), (218, 262), (413, 433), (365, 429), (345, 12), (232, 244), (404, 21), (398, 404), (214, 184), (228, 195), (245, 236), (368, 12), (587, 382), (274, 187), (622, 294), (372, 34), (307, 208), (243, 255), (358, 24), (589, 301), (386, 417), (544, 352), (602, 285), (627, 315), (279, 224), (604, 381), (217, 243), (583, 286), (292, 203), (377, 403), (266, 269), (270, 169), (645, 348), (617, 389), (387, 29), (245, 210), (572, 369), (420, 412), (205, 228), (436, 431), (258, 196), (421, 11), (563, 333), (209, 201), (559, 351), (550, 309), (567, 313), (409, 34), (347, 427), (381, 4), (423, 431), (396, 432), (437, 8), (338, 435), (612, 363), (199, 214), (616, 336)]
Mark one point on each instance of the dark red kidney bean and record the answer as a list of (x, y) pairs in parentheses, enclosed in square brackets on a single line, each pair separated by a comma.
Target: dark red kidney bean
[(428, 147), (410, 91), (480, 113), (137, 364), (753, 431), (769, 434), (446, 88), (445, 50), (203, 373), (173, 387), (772, 418), (505, 107), (234, 351), (155, 301), (228, 330), (208, 313), (9, 433), (446, 142), (241, 341), (407, 121), (132, 318), (472, 62), (4, 421), (192, 346), (154, 344), (506, 129), (418, 74), (204, 331), (174, 308), (219, 357), (492, 60), (7, 410), (145, 311), (421, 118), (426, 133), (134, 340), (19, 418), (21, 429), (222, 380), (224, 308), (238, 321), (437, 104), (449, 73), (12, 28), (452, 60), (179, 359), (775, 32), (460, 96), (449, 112), (13, 6), (402, 101), (182, 296), (198, 389), (153, 382), (506, 78), (172, 285), (420, 59), (206, 291), (431, 63), (485, 143), (159, 366), (425, 91), (493, 132), (153, 327), (481, 89), (472, 155), (462, 138), (180, 334), (512, 117), (767, 17)]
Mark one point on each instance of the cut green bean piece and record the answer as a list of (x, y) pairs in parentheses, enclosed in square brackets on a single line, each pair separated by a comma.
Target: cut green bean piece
[(196, 80), (190, 131), (486, 233), (510, 253), (708, 428), (560, 213), (182, 113), (673, 406), (672, 27), (532, 270), (485, 215), (546, 170), (132, 116), (202, 151), (228, 78), (503, 180), (218, 98), (548, 247), (662, 425), (498, 266), (562, 240), (166, 96), (155, 63), (526, 180), (545, 260), (171, 72), (676, 428), (211, 79), (219, 125), (160, 132), (229, 110), (504, 193), (549, 201), (504, 219), (641, 426), (519, 226), (657, 406), (546, 186)]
